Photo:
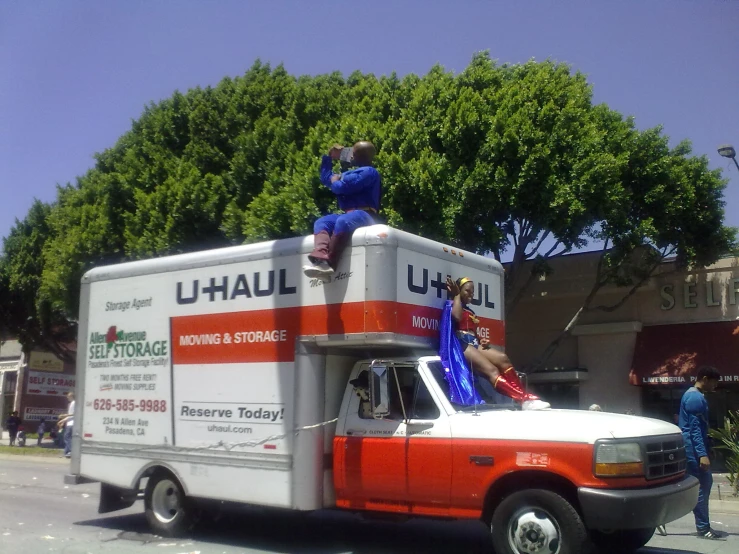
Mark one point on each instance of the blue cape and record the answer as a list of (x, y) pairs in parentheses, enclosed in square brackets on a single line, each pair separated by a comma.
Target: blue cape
[(456, 371)]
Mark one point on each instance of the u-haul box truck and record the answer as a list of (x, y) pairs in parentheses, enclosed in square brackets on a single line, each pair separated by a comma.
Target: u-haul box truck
[(229, 376)]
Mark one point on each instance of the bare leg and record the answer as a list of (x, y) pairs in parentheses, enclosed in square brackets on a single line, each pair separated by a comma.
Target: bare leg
[(481, 364), (505, 366), (498, 369), (499, 359)]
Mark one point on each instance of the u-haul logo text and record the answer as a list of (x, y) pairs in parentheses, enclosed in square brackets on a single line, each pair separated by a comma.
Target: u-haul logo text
[(419, 283), (246, 285)]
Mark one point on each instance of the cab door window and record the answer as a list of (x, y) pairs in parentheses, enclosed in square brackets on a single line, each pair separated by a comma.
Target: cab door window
[(409, 397)]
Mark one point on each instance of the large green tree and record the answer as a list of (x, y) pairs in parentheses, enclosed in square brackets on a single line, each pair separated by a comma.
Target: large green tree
[(22, 313), (497, 158)]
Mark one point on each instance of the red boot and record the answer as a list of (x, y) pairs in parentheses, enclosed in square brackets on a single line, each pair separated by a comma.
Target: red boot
[(528, 401), (321, 243), (319, 268), (503, 386), (512, 377)]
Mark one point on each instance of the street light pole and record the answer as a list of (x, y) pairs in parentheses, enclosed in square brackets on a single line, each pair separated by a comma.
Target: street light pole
[(727, 151)]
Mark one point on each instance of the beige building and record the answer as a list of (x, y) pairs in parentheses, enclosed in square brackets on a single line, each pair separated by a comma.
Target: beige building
[(640, 357), (35, 384)]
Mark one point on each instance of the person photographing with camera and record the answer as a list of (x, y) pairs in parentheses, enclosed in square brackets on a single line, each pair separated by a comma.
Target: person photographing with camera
[(358, 193)]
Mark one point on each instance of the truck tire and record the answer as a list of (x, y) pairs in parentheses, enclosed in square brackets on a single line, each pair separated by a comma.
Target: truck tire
[(622, 541), (166, 506), (538, 521)]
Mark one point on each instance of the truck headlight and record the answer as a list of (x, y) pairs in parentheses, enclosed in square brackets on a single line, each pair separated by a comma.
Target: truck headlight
[(618, 459)]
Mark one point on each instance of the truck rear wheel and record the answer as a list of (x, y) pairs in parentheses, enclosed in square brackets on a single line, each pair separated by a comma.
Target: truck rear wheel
[(165, 505), (622, 541), (538, 521)]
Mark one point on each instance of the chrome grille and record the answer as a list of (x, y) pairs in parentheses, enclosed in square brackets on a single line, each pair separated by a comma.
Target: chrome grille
[(665, 456)]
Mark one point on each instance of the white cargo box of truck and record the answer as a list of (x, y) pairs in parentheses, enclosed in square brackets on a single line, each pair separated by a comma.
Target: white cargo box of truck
[(183, 357)]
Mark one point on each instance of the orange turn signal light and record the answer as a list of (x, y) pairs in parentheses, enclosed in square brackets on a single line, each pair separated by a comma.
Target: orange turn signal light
[(632, 469)]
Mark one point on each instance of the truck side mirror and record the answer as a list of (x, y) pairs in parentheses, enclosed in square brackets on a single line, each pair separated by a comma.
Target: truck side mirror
[(379, 398)]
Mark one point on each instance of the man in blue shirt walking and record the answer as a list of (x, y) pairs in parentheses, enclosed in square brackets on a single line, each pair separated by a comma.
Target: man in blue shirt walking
[(358, 194), (693, 422)]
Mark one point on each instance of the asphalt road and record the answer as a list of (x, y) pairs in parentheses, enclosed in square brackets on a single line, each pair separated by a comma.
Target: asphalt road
[(39, 514)]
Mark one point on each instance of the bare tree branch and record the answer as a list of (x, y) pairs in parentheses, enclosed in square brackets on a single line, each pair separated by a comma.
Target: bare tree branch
[(519, 257), (632, 291), (525, 226), (553, 248), (564, 251), (599, 269), (600, 281), (585, 306), (567, 331), (538, 244)]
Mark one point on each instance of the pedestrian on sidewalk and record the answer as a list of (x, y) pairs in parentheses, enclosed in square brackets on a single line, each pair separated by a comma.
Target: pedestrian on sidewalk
[(12, 424), (21, 436), (41, 430), (67, 423), (693, 423), (57, 432)]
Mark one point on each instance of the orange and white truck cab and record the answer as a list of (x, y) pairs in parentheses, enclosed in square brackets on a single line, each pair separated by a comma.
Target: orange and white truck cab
[(201, 371)]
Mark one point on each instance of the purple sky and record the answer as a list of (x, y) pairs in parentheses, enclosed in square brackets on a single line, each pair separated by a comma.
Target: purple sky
[(73, 75)]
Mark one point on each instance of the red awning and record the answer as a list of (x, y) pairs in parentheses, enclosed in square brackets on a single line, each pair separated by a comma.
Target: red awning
[(669, 354)]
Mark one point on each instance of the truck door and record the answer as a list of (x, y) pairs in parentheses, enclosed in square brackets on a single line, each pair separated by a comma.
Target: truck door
[(429, 448), (402, 462)]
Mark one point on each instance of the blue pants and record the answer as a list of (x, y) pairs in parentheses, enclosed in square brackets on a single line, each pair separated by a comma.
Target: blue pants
[(333, 232), (702, 522), (343, 223), (68, 439)]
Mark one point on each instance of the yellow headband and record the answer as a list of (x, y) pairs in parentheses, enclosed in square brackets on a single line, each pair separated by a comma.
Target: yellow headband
[(463, 281)]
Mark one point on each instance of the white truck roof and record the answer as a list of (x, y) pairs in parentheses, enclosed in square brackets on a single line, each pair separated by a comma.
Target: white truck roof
[(376, 235), (388, 288)]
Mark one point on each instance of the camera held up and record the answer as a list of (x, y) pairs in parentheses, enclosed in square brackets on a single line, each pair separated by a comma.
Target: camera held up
[(346, 158)]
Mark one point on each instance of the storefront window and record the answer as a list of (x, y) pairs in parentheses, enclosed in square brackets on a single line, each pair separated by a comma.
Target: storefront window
[(662, 402)]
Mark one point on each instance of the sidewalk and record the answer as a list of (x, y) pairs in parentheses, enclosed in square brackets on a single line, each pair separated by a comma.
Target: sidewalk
[(34, 459), (47, 444), (5, 437), (722, 490)]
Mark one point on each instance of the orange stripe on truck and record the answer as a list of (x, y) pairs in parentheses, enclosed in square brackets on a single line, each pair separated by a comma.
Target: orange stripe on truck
[(269, 335)]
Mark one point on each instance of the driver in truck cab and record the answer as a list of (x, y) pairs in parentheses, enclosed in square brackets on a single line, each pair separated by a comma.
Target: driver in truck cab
[(478, 353)]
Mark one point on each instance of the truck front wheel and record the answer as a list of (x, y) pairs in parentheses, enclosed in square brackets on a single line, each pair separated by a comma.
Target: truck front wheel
[(165, 506), (537, 521)]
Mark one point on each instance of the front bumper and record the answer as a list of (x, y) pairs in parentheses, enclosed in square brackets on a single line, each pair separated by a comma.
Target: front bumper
[(609, 509)]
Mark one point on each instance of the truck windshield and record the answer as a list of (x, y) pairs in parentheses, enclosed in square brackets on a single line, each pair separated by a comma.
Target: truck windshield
[(493, 399)]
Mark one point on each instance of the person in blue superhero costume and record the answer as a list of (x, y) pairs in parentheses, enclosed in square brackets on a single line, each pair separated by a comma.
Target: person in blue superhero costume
[(358, 193), (458, 333), (693, 422)]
